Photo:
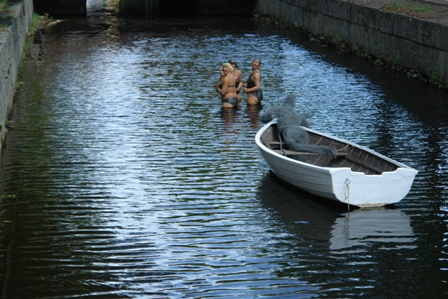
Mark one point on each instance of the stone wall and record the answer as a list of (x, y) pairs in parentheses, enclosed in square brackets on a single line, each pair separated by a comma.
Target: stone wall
[(400, 39), (14, 26)]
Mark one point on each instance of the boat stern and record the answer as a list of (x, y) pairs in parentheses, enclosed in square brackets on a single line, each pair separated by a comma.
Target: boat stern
[(363, 190)]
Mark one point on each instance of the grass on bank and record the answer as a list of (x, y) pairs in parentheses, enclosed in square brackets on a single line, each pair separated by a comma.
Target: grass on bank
[(411, 8), (2, 5), (4, 14)]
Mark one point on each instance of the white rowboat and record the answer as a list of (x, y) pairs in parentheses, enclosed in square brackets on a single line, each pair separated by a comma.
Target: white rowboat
[(358, 176)]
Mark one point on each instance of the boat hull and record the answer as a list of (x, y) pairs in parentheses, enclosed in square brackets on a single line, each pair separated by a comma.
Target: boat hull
[(340, 184)]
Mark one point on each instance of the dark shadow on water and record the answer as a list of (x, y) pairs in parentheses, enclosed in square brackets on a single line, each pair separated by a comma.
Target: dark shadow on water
[(293, 203), (302, 214), (302, 197)]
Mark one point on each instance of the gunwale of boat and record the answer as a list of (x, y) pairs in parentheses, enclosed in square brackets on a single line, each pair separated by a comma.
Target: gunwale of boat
[(349, 155)]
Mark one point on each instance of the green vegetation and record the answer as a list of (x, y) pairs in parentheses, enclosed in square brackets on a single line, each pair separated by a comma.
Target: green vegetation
[(8, 196), (408, 7), (434, 76), (2, 6), (336, 40), (38, 22), (2, 11)]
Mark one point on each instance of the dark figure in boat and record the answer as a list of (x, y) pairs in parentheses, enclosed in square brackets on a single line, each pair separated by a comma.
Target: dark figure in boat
[(289, 124)]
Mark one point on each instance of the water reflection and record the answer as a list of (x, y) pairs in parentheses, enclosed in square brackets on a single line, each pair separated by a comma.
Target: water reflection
[(253, 113), (382, 228), (361, 247), (228, 116)]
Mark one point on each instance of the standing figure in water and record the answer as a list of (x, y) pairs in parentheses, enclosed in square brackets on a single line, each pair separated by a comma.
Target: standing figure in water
[(228, 89), (238, 78), (253, 85)]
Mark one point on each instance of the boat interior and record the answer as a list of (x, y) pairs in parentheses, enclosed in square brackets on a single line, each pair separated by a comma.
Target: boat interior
[(357, 159)]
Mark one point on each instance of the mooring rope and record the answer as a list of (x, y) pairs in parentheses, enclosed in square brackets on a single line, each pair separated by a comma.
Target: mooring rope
[(347, 192)]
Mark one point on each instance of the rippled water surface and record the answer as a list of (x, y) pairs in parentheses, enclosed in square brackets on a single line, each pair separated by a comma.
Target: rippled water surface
[(123, 178)]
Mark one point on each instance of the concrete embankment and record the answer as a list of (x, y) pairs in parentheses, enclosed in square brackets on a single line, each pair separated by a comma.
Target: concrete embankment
[(396, 38), (14, 25)]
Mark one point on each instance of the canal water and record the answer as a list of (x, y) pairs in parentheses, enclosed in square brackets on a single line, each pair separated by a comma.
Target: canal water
[(124, 178)]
